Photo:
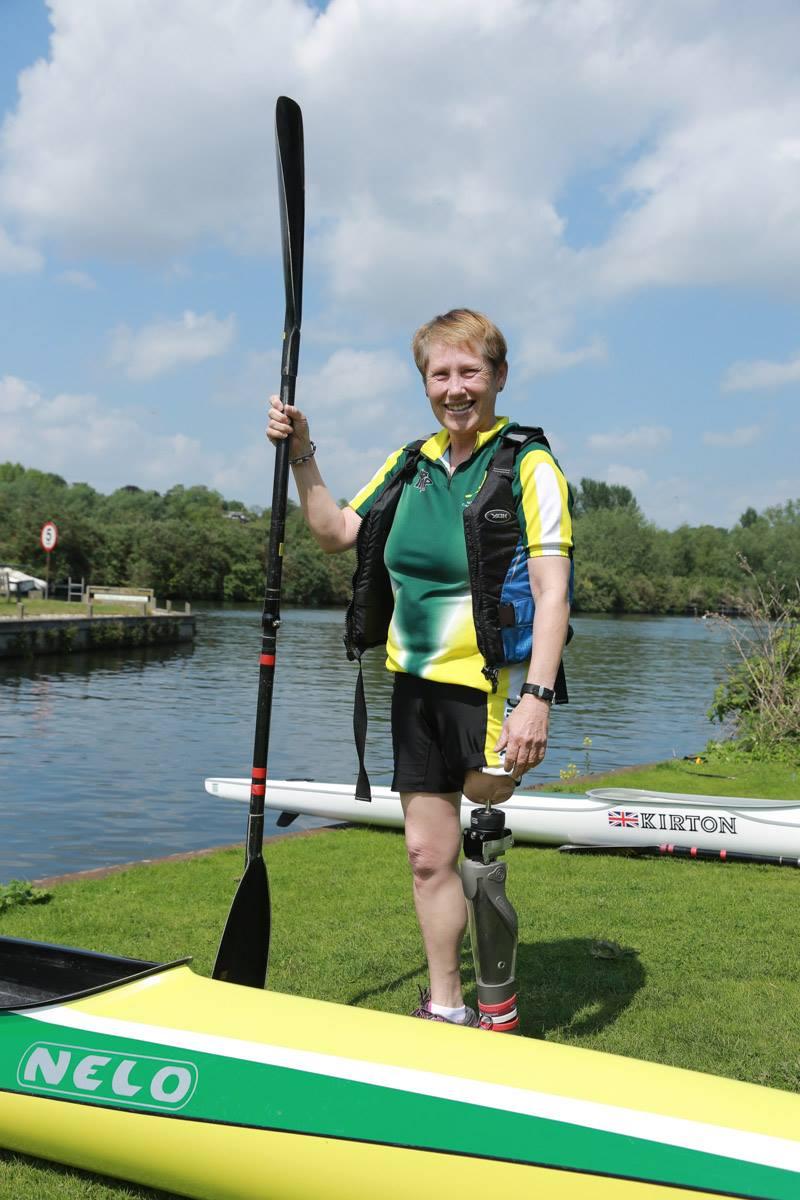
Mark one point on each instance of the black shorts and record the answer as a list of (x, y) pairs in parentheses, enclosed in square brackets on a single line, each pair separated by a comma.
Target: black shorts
[(440, 731)]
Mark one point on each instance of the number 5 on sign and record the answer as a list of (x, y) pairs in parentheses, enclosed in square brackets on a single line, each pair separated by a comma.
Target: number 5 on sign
[(49, 536)]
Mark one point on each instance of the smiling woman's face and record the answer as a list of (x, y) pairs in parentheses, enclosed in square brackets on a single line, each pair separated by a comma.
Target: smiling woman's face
[(462, 388)]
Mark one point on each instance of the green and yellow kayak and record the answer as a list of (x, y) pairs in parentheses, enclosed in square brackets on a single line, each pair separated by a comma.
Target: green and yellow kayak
[(153, 1074)]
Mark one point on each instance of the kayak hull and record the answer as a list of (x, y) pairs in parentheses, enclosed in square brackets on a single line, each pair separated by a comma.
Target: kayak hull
[(211, 1090), (613, 816), (244, 1163)]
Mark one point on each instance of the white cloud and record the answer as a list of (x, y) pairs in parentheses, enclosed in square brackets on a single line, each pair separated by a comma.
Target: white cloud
[(165, 345), (361, 405), (691, 110), (646, 437), (760, 375), (714, 201), (17, 396), (358, 382), (733, 438), (174, 101), (80, 437), (78, 279), (249, 383), (16, 258), (544, 357), (631, 477), (678, 500), (789, 148)]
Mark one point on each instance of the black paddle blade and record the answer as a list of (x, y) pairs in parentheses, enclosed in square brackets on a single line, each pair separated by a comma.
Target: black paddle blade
[(244, 946), (291, 200)]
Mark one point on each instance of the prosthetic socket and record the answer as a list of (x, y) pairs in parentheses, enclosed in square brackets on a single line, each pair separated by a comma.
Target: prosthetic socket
[(492, 919)]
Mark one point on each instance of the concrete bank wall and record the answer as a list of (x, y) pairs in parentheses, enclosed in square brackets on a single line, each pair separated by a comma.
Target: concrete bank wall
[(61, 635)]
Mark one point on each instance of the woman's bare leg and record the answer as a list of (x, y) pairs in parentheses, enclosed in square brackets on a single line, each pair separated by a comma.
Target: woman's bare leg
[(433, 841)]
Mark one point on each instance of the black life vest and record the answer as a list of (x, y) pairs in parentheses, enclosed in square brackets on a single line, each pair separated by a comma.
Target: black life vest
[(502, 604)]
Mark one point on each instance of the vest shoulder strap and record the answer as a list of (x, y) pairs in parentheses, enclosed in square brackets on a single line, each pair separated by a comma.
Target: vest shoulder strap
[(515, 440), (412, 450)]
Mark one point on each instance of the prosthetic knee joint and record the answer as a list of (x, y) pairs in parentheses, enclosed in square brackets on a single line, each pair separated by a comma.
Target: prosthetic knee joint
[(492, 919)]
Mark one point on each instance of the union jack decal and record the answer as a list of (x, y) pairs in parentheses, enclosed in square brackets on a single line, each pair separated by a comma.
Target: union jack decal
[(622, 818)]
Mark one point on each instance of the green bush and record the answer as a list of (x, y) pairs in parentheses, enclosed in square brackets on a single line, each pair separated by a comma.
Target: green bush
[(761, 695), (19, 891)]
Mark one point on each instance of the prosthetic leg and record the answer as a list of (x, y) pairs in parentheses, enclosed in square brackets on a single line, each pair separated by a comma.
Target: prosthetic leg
[(492, 919)]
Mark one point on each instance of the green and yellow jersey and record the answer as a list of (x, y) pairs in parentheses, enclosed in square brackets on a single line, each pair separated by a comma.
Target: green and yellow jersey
[(432, 632)]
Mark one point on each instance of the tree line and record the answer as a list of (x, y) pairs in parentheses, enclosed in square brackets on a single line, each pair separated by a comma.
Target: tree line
[(192, 543)]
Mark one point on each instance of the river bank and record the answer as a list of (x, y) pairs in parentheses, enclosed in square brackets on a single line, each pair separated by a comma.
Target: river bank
[(701, 775), (33, 636)]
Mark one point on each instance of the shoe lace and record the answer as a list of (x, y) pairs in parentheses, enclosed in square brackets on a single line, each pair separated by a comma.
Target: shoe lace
[(424, 1006)]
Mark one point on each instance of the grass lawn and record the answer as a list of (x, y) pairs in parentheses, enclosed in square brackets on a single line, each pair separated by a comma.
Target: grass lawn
[(714, 775), (714, 984)]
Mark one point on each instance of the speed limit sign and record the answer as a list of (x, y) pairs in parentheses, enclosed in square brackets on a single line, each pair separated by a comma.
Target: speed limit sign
[(49, 536)]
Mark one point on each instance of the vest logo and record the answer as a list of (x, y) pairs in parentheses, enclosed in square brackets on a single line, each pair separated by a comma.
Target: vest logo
[(497, 516), (107, 1077)]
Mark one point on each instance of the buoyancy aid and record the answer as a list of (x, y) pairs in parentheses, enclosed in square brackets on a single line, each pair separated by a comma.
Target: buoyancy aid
[(502, 602)]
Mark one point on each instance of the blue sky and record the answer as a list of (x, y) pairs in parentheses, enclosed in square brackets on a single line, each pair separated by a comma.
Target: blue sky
[(616, 183)]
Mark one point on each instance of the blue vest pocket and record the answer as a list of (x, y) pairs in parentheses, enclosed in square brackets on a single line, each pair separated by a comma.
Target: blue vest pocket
[(516, 599)]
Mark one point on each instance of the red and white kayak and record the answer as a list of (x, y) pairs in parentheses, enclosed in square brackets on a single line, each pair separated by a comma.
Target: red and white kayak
[(613, 816)]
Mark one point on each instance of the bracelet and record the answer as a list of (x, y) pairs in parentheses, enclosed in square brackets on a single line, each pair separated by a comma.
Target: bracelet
[(294, 462)]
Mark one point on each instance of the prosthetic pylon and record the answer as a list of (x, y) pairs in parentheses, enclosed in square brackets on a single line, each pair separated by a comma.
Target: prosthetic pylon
[(492, 919)]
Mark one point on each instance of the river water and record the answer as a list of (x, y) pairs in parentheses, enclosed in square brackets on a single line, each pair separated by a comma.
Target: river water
[(103, 756)]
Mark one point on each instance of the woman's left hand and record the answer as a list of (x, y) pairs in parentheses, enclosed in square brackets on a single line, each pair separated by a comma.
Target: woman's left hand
[(524, 735)]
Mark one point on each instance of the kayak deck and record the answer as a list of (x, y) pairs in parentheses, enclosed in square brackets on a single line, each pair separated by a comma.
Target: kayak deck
[(751, 825), (621, 795), (37, 973), (218, 1091), (223, 1092)]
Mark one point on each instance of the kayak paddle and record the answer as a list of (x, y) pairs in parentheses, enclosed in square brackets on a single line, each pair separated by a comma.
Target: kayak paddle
[(775, 860), (244, 947)]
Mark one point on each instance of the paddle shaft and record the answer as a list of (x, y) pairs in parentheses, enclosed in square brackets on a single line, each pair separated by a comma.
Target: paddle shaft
[(271, 614), (243, 953), (291, 191), (666, 848), (270, 622)]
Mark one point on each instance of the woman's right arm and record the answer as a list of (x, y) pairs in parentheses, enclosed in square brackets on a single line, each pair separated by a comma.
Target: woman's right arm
[(333, 528)]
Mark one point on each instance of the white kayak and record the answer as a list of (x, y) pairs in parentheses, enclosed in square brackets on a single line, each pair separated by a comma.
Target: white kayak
[(611, 816)]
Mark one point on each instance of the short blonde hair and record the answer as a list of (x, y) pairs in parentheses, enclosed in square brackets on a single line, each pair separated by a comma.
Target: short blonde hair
[(456, 328)]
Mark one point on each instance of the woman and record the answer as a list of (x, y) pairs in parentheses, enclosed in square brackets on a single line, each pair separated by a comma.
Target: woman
[(451, 730)]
